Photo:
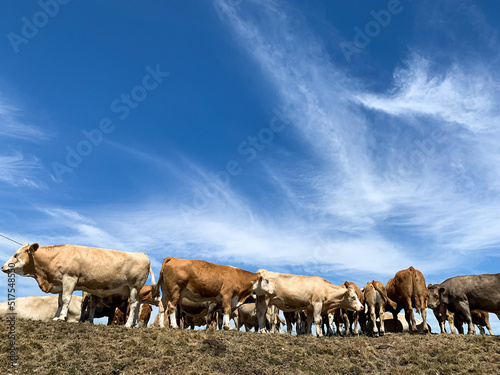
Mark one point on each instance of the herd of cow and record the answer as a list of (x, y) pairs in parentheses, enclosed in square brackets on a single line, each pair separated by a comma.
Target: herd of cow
[(195, 292)]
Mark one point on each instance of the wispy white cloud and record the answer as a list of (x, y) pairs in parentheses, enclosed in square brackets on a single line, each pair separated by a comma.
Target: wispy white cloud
[(18, 168), (412, 170), (465, 98), (20, 171), (12, 127)]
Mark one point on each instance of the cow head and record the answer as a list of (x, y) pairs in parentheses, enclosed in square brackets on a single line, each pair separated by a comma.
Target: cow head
[(21, 262), (437, 296), (262, 285), (352, 299)]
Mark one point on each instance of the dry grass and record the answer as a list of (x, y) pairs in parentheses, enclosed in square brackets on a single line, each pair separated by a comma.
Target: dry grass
[(63, 348)]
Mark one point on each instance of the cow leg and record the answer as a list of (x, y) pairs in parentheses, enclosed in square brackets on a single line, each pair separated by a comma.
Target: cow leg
[(262, 305), (288, 320), (59, 305), (337, 314), (481, 330), (316, 314), (451, 321), (463, 308), (69, 284), (355, 322), (226, 308), (410, 318), (488, 327), (271, 318), (345, 319), (330, 325), (381, 312), (373, 318), (161, 314), (423, 313), (135, 305)]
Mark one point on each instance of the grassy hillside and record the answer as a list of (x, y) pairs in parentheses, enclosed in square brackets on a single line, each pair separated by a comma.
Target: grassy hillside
[(63, 348)]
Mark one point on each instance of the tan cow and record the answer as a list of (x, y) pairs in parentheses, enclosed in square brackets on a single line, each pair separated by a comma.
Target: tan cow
[(246, 315), (399, 325), (295, 293), (407, 288), (351, 318), (62, 269), (376, 299), (203, 281), (40, 308)]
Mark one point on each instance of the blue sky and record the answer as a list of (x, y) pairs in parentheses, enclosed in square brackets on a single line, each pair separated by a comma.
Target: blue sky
[(342, 139)]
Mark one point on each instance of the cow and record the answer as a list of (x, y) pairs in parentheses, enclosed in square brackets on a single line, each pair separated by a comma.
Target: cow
[(327, 324), (203, 281), (399, 324), (145, 315), (100, 307), (40, 308), (461, 294), (61, 269), (246, 315), (298, 318), (376, 299), (407, 288), (195, 313), (351, 318), (295, 293)]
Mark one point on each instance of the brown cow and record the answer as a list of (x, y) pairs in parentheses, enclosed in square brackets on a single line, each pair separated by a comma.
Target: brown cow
[(145, 315), (407, 288), (61, 269), (376, 299), (203, 281), (100, 307)]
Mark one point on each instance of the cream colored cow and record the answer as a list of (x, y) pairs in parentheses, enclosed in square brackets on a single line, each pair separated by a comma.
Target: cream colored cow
[(62, 269), (295, 293), (40, 308)]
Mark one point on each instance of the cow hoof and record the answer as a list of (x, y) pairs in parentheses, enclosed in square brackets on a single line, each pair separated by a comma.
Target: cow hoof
[(382, 333)]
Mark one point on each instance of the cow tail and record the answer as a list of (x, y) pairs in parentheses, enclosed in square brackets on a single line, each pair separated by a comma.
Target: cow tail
[(156, 287), (153, 282), (384, 296)]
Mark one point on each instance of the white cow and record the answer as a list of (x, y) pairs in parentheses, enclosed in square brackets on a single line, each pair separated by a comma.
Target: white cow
[(40, 308), (62, 269), (296, 293)]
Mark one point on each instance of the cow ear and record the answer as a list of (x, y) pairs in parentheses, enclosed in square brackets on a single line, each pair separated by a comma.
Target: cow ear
[(33, 247), (442, 290)]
